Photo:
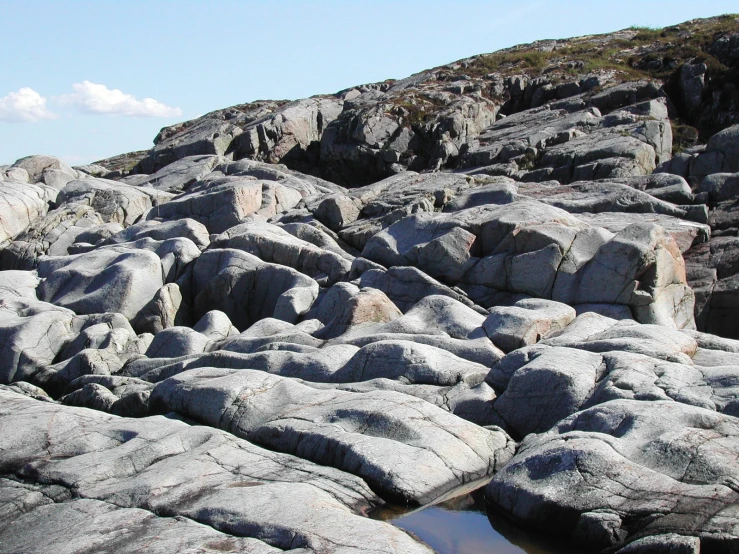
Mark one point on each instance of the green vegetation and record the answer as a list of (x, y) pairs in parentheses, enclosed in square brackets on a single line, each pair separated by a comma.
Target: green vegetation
[(649, 53)]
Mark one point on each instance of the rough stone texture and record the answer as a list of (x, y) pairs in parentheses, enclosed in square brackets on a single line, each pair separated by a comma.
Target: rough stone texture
[(405, 448)]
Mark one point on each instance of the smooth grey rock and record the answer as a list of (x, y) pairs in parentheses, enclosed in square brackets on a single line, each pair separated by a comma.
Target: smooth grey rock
[(601, 334), (218, 207), (669, 543), (114, 202), (215, 325), (348, 310), (72, 525), (210, 134), (272, 244), (217, 479), (18, 283), (247, 289), (526, 322), (410, 362), (438, 315), (721, 186), (439, 248), (725, 145), (403, 447), (291, 134), (51, 235), (161, 312), (547, 389), (179, 175), (33, 333), (38, 166), (175, 342), (692, 80), (406, 286), (336, 211), (480, 350), (156, 230), (656, 464), (686, 234), (114, 279), (20, 205)]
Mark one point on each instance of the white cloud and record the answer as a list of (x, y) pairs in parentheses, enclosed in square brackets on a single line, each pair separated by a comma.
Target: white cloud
[(99, 99), (24, 105)]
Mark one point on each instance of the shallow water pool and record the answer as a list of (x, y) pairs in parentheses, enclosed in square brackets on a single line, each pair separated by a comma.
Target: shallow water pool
[(461, 526)]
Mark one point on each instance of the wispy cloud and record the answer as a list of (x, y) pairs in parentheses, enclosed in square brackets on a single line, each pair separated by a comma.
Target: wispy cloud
[(24, 105), (95, 98)]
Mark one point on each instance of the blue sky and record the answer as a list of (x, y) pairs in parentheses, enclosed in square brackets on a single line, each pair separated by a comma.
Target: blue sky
[(85, 80)]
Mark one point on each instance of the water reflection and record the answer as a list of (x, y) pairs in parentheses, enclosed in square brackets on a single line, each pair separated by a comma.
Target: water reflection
[(461, 525)]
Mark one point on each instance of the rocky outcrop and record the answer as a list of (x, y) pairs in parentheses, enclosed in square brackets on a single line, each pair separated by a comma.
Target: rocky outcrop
[(365, 298)]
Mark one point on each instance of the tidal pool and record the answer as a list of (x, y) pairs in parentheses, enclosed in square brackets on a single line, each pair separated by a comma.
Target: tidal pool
[(461, 525)]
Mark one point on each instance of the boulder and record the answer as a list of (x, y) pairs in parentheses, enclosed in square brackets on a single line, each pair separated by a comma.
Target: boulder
[(216, 326), (33, 333), (626, 465), (346, 309), (724, 145), (272, 244), (51, 235), (71, 525), (20, 205), (218, 206), (547, 389), (247, 289), (114, 202), (526, 322), (113, 279), (175, 342)]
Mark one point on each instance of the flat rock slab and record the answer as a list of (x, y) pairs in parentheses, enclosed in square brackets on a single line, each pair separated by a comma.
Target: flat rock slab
[(72, 525), (203, 474), (405, 448)]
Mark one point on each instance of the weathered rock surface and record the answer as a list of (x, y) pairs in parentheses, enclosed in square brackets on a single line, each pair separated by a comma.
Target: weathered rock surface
[(624, 467), (115, 279), (405, 448), (504, 244), (218, 480), (247, 289)]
